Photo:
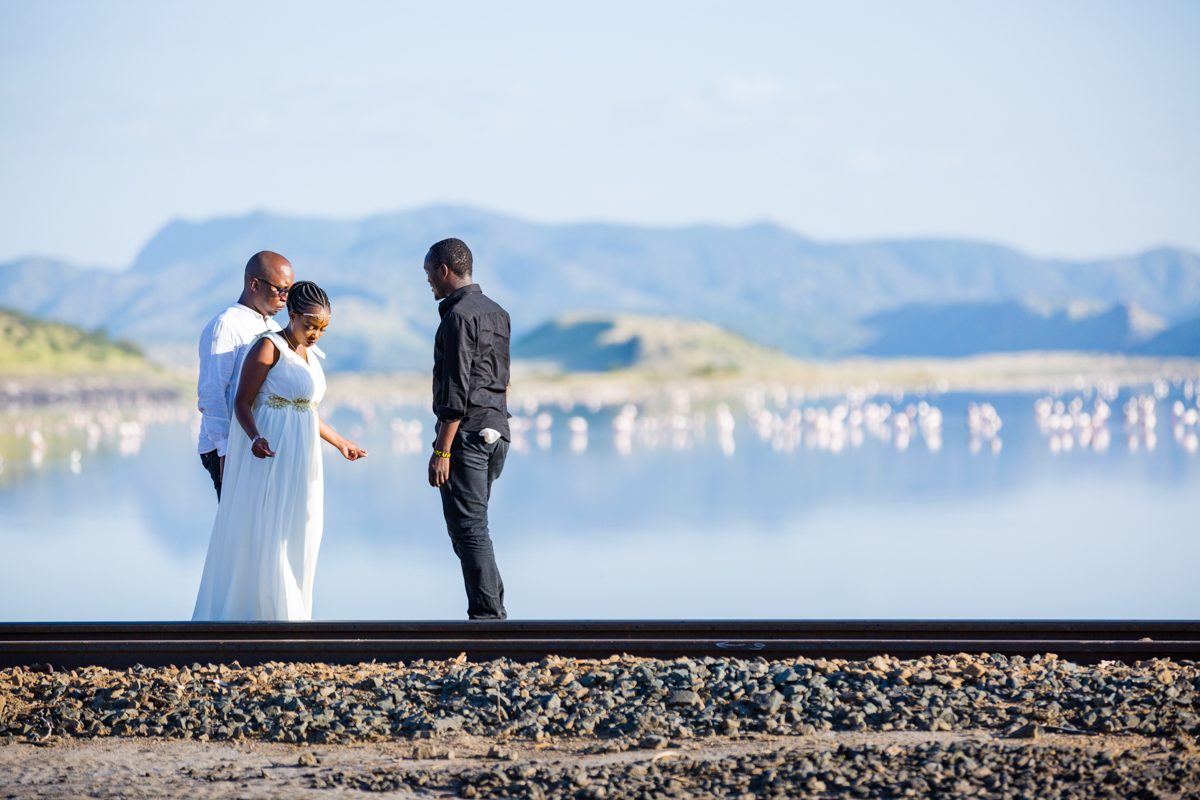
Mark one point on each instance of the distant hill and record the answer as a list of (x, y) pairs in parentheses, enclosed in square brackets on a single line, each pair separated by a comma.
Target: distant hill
[(955, 330), (30, 346), (966, 329), (774, 286), (663, 346), (1178, 340)]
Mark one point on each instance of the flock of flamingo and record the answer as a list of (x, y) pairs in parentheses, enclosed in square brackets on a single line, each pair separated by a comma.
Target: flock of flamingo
[(786, 422), (1089, 419), (779, 419), (1069, 423), (81, 432)]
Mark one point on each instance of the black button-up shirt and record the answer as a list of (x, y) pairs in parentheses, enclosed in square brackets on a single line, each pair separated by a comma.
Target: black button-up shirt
[(470, 362)]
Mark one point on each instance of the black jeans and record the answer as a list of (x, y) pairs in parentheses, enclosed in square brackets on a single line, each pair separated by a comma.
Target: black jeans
[(212, 463), (474, 464)]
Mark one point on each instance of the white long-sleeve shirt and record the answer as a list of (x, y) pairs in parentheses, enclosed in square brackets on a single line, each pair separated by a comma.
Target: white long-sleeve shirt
[(223, 346)]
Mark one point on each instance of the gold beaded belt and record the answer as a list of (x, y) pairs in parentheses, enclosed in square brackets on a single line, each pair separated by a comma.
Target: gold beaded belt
[(275, 401)]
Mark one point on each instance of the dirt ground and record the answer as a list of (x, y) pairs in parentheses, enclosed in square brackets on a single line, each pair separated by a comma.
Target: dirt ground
[(122, 767)]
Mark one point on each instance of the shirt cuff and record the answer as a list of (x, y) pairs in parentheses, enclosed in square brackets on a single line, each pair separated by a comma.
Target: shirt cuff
[(222, 446), (445, 414)]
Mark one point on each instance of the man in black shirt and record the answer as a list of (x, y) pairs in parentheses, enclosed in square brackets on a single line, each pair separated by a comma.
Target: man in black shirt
[(470, 386)]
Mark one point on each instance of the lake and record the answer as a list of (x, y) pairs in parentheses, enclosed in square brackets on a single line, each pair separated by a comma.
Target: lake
[(777, 506)]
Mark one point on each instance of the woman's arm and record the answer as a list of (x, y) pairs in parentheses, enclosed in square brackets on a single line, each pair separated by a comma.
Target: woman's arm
[(262, 356), (348, 448)]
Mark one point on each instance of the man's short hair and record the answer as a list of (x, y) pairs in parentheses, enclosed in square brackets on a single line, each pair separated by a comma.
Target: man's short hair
[(455, 254)]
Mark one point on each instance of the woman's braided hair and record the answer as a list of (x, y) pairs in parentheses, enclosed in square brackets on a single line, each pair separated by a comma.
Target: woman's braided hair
[(305, 297)]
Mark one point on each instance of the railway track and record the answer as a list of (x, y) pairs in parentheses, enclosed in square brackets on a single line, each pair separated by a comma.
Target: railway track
[(119, 644)]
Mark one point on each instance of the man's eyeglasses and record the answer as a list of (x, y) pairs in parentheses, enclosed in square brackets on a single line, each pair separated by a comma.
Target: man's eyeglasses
[(282, 291)]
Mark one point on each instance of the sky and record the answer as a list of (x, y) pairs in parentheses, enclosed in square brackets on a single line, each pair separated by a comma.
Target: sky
[(1065, 129)]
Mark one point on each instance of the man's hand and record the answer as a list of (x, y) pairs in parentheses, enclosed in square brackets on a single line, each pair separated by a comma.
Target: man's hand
[(439, 470), (350, 451), (222, 469), (439, 466)]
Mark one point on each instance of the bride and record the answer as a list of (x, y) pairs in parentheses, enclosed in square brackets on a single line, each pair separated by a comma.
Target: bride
[(263, 552)]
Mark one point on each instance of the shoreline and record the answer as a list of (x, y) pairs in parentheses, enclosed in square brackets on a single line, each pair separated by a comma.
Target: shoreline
[(995, 373), (1003, 373), (23, 393)]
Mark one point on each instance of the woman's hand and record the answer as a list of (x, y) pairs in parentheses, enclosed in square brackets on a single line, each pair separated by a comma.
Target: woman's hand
[(260, 448), (350, 451)]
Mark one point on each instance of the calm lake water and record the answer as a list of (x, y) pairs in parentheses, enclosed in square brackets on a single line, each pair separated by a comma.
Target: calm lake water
[(828, 508)]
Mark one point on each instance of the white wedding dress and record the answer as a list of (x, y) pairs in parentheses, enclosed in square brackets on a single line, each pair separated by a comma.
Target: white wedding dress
[(263, 552)]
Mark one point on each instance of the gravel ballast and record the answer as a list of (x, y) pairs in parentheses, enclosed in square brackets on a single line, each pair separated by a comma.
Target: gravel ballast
[(623, 698), (1033, 727)]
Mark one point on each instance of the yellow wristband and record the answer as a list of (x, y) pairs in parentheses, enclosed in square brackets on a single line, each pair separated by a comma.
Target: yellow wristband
[(437, 452)]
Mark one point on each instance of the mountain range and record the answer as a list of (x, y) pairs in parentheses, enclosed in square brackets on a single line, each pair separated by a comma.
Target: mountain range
[(769, 284)]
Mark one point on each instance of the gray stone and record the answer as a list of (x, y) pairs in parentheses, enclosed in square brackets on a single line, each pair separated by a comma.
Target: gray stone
[(1030, 731), (653, 743), (767, 703), (446, 724), (684, 697)]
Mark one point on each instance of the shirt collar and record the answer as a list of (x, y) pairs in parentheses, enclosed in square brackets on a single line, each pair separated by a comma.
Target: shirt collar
[(456, 295), (250, 310)]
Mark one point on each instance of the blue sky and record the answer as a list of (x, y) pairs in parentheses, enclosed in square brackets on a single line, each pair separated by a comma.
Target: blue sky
[(1063, 129)]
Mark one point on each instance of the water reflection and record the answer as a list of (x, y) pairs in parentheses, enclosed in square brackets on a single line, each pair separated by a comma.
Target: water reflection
[(31, 440), (766, 502), (579, 434), (1183, 425), (786, 420), (406, 436), (1061, 422)]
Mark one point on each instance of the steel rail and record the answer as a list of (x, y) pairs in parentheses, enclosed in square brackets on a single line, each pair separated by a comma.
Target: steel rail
[(118, 653), (116, 645), (1049, 630)]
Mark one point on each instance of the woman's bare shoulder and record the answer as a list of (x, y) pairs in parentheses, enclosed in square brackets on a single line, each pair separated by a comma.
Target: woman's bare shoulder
[(264, 350)]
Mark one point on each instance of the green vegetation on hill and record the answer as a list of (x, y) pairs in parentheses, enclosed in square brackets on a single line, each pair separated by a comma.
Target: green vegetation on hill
[(31, 346), (663, 346)]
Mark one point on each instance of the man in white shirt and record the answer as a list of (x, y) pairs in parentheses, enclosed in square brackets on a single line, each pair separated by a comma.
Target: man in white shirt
[(223, 345)]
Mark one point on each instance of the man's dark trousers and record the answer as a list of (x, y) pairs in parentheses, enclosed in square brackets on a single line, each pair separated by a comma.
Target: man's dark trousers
[(474, 464), (212, 463)]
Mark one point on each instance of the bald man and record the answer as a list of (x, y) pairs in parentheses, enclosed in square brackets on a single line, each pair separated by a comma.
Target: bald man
[(223, 345)]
